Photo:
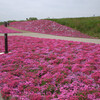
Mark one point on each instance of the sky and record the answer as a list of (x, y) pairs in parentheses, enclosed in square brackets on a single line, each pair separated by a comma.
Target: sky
[(22, 9)]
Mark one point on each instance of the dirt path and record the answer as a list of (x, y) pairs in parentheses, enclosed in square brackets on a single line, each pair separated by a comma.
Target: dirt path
[(1, 97), (39, 35)]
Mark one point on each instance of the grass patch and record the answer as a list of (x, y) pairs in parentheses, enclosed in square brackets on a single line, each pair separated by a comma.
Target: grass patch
[(87, 25)]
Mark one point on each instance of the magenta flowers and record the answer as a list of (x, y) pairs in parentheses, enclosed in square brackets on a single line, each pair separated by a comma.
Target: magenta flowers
[(48, 27), (4, 29), (48, 69)]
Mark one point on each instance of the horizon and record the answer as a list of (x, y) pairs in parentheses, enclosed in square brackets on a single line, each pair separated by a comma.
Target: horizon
[(50, 18)]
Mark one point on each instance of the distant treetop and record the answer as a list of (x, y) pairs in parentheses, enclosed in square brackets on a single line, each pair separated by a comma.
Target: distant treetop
[(31, 18)]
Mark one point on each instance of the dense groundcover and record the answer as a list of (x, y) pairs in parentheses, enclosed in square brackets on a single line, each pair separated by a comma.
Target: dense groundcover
[(48, 27), (4, 29), (44, 69)]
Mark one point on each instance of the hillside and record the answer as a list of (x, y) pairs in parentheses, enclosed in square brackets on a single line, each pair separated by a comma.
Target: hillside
[(48, 27), (87, 25)]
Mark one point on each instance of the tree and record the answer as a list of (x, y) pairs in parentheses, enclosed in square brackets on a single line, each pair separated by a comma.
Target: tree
[(31, 18)]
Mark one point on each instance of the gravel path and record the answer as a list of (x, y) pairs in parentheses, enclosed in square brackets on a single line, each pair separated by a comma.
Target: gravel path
[(39, 35), (1, 97)]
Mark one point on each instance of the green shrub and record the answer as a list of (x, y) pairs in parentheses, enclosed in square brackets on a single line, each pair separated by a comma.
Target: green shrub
[(1, 23), (31, 18)]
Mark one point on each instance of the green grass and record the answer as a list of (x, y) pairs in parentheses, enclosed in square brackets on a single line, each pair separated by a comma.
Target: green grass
[(86, 25), (1, 23)]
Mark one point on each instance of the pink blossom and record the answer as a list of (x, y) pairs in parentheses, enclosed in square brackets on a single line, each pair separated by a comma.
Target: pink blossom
[(48, 27), (91, 96), (6, 30), (48, 69)]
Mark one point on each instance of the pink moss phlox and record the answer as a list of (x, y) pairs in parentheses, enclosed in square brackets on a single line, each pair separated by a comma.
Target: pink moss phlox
[(44, 69)]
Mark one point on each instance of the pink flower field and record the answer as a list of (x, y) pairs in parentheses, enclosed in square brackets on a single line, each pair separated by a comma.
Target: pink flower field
[(49, 69), (48, 27), (3, 29)]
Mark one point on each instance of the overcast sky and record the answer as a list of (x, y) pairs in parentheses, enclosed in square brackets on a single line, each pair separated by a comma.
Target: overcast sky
[(22, 9)]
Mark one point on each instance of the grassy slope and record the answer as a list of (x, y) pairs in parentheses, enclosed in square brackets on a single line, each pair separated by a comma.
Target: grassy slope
[(1, 23), (87, 25)]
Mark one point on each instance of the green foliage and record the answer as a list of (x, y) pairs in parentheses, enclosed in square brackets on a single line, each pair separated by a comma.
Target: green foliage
[(49, 89), (31, 18), (69, 67), (1, 23), (15, 21), (83, 94), (58, 91), (86, 25), (12, 21), (43, 83)]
